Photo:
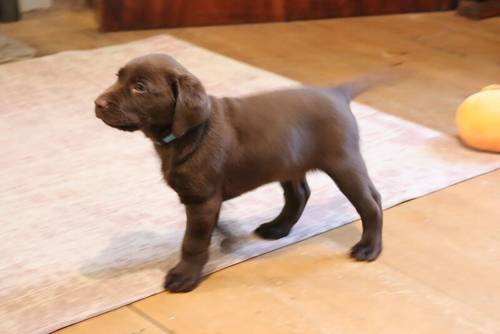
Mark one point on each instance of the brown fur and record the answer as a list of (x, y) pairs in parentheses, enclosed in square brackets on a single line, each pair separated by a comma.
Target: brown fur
[(228, 146)]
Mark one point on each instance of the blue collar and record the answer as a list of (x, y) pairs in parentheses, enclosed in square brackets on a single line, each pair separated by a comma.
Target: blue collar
[(166, 139), (169, 138)]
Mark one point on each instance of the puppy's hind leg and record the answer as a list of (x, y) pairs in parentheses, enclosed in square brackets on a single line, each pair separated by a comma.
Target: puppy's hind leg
[(350, 175), (296, 194)]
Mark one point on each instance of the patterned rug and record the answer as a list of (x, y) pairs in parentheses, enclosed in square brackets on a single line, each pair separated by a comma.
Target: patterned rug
[(76, 240)]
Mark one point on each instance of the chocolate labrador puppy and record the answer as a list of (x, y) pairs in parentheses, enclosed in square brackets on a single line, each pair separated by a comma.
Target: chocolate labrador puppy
[(213, 149)]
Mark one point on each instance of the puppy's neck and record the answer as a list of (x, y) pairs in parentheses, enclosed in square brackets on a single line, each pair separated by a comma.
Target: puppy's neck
[(163, 136), (156, 132), (179, 149)]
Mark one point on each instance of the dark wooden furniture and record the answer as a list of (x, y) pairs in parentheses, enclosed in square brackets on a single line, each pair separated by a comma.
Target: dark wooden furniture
[(144, 14), (479, 9)]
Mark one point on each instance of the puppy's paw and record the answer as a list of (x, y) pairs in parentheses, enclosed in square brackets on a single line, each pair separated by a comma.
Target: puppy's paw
[(182, 278), (272, 231), (366, 250)]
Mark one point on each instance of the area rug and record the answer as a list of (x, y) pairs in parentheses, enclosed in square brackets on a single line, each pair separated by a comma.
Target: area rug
[(77, 240), (12, 49)]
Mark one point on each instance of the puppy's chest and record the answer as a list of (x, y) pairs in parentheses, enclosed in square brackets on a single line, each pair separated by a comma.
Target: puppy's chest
[(191, 187)]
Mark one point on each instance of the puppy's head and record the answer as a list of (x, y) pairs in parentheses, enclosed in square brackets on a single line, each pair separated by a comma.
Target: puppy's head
[(154, 92)]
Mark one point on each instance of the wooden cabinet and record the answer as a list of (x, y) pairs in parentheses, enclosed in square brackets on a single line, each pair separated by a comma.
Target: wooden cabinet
[(144, 14)]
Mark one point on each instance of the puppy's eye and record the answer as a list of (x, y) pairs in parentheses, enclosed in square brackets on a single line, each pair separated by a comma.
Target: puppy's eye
[(139, 87)]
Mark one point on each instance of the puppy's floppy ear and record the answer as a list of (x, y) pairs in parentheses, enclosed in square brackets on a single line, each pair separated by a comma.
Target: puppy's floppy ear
[(192, 106)]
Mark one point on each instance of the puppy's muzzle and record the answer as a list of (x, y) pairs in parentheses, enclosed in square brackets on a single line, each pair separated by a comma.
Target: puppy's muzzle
[(101, 105)]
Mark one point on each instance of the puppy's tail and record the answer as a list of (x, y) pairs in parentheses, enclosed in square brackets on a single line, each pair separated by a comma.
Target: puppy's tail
[(353, 88)]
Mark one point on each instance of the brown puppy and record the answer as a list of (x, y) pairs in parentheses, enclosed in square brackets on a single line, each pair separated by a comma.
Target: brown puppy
[(213, 149)]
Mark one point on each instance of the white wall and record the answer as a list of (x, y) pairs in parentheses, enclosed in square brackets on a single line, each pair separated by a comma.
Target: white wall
[(26, 5)]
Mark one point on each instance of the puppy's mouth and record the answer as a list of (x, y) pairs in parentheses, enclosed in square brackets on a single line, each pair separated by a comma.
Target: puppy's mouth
[(129, 128), (123, 127)]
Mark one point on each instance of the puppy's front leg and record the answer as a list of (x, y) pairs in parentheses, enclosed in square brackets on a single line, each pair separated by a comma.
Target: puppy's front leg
[(201, 220)]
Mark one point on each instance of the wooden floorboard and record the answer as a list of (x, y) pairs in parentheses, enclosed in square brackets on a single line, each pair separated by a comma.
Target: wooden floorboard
[(435, 276), (439, 270), (122, 320)]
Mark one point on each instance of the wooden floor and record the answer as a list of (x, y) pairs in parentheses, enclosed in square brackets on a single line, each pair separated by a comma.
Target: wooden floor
[(439, 271)]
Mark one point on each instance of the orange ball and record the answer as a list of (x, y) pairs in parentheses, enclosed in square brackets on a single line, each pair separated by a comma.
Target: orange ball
[(491, 87), (478, 119)]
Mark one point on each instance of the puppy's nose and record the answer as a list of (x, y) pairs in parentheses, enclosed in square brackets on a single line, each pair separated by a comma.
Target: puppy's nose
[(101, 103)]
